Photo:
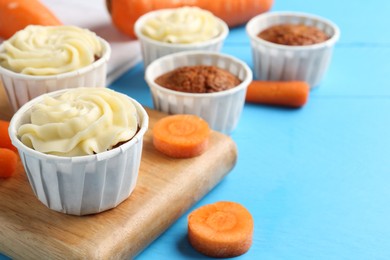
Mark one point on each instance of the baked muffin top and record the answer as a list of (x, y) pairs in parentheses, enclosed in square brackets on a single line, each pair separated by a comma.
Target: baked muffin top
[(198, 79), (293, 34)]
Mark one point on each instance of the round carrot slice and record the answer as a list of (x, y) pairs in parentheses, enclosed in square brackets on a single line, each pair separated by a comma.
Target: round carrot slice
[(181, 136), (222, 229)]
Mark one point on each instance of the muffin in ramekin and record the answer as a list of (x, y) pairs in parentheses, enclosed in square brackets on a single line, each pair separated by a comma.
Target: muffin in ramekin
[(81, 147), (167, 31), (275, 61), (41, 59), (221, 109)]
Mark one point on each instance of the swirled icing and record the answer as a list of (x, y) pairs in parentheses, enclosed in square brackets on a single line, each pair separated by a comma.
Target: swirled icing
[(81, 121), (50, 50), (182, 25)]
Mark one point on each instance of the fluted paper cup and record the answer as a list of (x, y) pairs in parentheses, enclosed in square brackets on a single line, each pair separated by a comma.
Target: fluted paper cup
[(282, 62), (221, 110), (21, 88), (81, 185), (152, 49)]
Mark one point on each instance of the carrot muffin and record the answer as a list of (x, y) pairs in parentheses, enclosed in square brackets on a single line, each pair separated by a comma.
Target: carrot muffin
[(293, 34), (182, 25), (50, 50), (167, 31), (81, 121), (198, 79), (66, 139), (43, 59)]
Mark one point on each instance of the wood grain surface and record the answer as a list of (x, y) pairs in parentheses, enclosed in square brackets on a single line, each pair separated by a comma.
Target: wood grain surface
[(165, 190)]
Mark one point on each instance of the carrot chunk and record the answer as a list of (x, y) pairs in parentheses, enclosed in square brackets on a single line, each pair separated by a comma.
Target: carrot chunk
[(15, 15), (5, 140), (181, 136), (222, 229), (8, 162), (279, 93)]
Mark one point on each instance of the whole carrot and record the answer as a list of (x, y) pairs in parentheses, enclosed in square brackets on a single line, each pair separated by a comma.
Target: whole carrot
[(15, 15), (222, 229), (124, 13), (278, 93), (8, 162), (5, 140)]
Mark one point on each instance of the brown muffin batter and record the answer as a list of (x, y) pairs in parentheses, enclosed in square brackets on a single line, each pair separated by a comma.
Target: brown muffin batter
[(198, 79), (293, 34)]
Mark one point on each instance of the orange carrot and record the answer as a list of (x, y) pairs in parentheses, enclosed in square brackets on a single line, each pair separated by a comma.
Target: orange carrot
[(5, 141), (181, 136), (17, 14), (124, 13), (280, 93), (223, 229), (8, 162)]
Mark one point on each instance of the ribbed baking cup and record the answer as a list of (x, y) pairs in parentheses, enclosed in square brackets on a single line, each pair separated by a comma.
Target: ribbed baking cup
[(276, 62), (83, 184), (21, 88), (221, 110), (152, 49)]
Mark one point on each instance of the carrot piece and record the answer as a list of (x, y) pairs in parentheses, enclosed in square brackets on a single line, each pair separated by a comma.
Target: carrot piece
[(15, 15), (5, 140), (222, 229), (8, 162), (181, 136), (282, 93)]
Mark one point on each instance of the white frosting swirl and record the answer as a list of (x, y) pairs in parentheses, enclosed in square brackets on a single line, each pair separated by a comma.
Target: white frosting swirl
[(81, 121), (50, 50), (182, 25)]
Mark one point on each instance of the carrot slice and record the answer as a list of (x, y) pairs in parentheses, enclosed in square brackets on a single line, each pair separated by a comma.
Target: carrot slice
[(8, 162), (281, 93), (15, 15), (222, 229), (5, 141), (181, 136)]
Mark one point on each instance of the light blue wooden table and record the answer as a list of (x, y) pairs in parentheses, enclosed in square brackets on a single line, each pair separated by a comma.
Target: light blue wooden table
[(316, 179)]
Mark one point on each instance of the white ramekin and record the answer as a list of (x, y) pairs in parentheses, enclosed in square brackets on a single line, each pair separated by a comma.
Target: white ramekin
[(281, 62), (152, 49), (84, 184), (221, 110), (21, 88)]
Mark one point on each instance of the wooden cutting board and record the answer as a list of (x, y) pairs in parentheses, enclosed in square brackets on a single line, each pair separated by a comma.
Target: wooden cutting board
[(165, 190)]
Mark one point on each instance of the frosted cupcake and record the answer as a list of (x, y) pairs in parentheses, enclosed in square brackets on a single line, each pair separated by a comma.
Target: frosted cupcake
[(169, 31), (81, 148), (41, 59)]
